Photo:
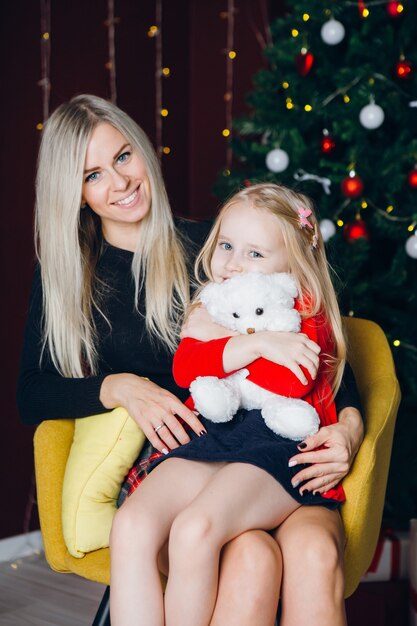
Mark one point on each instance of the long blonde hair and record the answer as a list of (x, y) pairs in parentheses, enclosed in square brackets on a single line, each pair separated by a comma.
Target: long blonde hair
[(68, 239), (307, 263)]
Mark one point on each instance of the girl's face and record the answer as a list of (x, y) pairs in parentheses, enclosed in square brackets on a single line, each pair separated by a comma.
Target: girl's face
[(249, 240), (116, 186)]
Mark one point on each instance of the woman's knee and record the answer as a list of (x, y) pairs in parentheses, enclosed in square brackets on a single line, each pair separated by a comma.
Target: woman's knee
[(131, 528), (192, 533)]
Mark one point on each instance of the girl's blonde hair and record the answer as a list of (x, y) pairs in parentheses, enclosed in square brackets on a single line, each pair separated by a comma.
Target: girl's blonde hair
[(68, 239), (307, 262)]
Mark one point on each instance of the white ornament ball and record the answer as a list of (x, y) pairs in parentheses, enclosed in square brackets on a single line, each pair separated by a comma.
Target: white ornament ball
[(371, 116), (332, 32), (327, 229), (411, 246), (277, 160)]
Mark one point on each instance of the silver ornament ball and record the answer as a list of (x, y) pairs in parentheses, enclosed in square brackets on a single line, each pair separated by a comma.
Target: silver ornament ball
[(411, 246), (332, 32), (327, 229), (371, 116), (277, 160)]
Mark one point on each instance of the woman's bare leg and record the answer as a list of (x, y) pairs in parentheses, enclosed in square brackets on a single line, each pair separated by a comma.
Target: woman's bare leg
[(249, 581), (238, 497), (311, 542), (140, 529)]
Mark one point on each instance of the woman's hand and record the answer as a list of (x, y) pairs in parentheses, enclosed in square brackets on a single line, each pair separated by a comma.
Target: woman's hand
[(152, 408), (330, 465), (199, 325)]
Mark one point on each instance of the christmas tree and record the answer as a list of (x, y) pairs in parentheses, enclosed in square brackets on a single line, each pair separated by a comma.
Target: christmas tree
[(334, 115)]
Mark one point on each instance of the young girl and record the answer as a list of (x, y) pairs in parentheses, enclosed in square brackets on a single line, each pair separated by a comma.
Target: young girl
[(236, 476)]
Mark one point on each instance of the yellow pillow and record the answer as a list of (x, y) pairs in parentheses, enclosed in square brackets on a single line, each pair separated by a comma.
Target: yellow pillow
[(103, 451)]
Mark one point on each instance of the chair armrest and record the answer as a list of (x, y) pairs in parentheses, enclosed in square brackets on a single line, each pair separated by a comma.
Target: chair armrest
[(52, 443), (365, 485)]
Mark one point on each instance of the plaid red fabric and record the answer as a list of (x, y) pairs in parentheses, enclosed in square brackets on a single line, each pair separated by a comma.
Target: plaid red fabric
[(138, 472)]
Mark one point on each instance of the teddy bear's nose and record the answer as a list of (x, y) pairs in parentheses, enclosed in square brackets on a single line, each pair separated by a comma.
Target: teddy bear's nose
[(250, 331)]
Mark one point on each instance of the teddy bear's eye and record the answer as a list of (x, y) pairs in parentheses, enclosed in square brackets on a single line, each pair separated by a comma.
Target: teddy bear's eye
[(236, 315), (259, 311)]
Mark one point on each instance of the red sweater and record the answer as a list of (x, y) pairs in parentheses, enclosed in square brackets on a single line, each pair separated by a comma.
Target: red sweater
[(198, 358)]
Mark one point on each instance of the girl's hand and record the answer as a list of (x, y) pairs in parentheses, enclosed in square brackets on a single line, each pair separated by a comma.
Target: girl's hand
[(150, 406), (330, 465), (290, 350), (199, 325)]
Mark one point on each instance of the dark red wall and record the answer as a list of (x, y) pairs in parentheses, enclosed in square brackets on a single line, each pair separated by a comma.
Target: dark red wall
[(194, 39)]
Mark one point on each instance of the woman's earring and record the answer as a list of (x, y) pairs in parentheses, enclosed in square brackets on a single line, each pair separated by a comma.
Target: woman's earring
[(83, 206)]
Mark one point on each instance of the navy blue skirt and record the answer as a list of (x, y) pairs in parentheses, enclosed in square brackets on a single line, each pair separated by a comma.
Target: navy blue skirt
[(247, 439)]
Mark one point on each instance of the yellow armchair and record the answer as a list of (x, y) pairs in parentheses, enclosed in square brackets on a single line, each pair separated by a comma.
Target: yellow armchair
[(372, 362)]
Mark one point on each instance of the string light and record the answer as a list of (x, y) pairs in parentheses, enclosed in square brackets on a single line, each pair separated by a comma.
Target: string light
[(294, 32), (390, 208), (285, 85), (164, 112), (340, 223), (364, 204), (111, 63), (228, 96), (153, 31), (346, 98), (166, 71), (308, 107), (161, 112), (45, 82), (396, 343), (306, 17), (166, 150)]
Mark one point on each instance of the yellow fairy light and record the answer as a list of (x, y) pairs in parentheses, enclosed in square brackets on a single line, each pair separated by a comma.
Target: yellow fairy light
[(45, 36), (164, 112), (39, 126), (340, 223), (371, 81), (365, 12), (327, 13), (294, 32), (346, 98), (225, 132), (364, 205), (166, 71), (308, 107), (153, 31), (400, 8), (396, 343), (166, 149), (306, 17), (232, 54), (227, 96), (411, 227), (390, 208), (285, 85), (289, 105), (226, 172)]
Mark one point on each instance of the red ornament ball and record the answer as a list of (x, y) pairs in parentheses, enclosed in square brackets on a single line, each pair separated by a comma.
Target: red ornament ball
[(328, 144), (412, 178), (352, 186), (394, 9), (304, 62), (247, 182), (403, 69), (356, 230)]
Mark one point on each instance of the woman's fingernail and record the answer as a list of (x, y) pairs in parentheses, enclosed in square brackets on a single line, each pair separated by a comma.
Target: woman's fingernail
[(302, 493), (165, 450), (316, 493), (292, 463), (297, 482), (302, 445), (202, 432)]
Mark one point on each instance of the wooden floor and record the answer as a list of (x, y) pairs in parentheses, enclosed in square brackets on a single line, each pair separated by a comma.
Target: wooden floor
[(31, 594)]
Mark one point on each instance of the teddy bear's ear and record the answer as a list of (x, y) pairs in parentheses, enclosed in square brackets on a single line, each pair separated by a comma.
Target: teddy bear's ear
[(209, 294), (286, 282)]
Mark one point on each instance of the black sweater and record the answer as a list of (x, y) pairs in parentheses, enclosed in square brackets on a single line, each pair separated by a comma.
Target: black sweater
[(42, 393)]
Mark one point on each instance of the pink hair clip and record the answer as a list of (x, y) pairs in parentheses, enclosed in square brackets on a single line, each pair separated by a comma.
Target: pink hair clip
[(303, 215)]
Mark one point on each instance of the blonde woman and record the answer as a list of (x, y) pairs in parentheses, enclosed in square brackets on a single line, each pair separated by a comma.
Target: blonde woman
[(108, 292), (239, 476)]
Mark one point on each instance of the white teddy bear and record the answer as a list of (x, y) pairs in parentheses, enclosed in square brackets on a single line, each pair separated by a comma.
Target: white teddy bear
[(250, 303)]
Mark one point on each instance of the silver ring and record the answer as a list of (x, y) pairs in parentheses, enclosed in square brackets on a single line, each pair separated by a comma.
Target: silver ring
[(158, 427)]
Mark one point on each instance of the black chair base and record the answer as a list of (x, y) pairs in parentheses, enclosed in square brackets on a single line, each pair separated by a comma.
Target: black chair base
[(102, 617)]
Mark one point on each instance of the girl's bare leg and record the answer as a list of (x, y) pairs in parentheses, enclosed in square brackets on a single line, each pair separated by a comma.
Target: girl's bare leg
[(140, 529), (249, 581), (311, 540), (238, 497)]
